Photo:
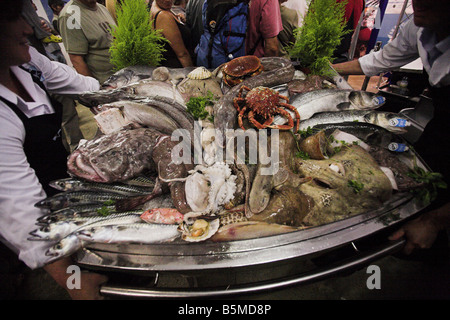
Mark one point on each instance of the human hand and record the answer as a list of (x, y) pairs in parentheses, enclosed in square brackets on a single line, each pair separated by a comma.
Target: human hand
[(89, 287), (419, 233), (45, 27)]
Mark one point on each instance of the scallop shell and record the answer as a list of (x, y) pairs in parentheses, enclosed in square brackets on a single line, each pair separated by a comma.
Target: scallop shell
[(212, 228), (200, 73)]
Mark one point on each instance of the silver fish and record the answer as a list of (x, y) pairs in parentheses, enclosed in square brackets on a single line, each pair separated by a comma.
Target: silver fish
[(331, 100), (126, 76), (60, 229), (126, 233), (390, 121), (67, 199), (65, 247), (73, 184), (141, 89)]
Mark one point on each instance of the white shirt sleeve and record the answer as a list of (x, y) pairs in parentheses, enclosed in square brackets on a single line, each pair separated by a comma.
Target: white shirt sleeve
[(400, 51), (60, 78), (20, 188), (19, 191)]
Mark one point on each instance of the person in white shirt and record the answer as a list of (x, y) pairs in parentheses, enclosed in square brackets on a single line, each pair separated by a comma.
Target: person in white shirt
[(426, 36), (30, 144)]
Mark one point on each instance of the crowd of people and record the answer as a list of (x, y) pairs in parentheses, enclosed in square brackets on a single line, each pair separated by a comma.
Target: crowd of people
[(31, 115)]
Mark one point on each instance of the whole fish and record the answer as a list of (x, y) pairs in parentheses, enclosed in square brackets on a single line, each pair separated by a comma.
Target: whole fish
[(88, 210), (65, 247), (126, 76), (390, 121), (130, 233), (250, 230), (60, 229), (331, 100), (74, 184), (371, 134), (115, 157), (141, 114), (67, 199), (136, 232), (141, 89)]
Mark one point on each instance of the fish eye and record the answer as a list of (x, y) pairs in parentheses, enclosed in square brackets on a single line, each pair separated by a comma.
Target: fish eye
[(45, 229), (58, 246)]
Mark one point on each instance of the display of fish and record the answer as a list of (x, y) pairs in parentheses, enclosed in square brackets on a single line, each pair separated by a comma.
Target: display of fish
[(138, 90), (331, 100), (126, 76), (74, 184), (73, 198), (98, 203), (57, 230)]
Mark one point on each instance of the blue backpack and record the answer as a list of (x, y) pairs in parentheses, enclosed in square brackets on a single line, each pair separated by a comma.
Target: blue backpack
[(224, 31)]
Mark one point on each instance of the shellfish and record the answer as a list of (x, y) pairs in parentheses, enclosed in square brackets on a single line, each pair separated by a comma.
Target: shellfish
[(200, 230)]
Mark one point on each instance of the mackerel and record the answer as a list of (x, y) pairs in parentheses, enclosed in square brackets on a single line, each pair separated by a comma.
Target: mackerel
[(67, 199), (74, 184)]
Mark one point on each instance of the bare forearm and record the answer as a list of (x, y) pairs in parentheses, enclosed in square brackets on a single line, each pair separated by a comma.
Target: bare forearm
[(80, 65), (185, 59), (271, 47), (348, 68)]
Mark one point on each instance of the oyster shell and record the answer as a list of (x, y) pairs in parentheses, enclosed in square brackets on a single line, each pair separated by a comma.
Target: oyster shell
[(200, 230)]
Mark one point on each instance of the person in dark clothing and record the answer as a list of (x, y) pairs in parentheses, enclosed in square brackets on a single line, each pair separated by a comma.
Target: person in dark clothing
[(179, 51), (427, 36)]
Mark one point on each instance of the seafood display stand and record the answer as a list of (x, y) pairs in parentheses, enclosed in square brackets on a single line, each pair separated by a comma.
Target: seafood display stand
[(255, 265), (181, 269)]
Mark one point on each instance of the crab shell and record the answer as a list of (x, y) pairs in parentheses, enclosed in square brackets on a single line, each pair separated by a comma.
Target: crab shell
[(238, 68), (188, 233)]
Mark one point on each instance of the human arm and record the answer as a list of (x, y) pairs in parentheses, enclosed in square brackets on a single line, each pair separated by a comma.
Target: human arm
[(80, 65), (422, 231), (271, 47), (170, 31), (90, 283), (59, 78), (348, 68)]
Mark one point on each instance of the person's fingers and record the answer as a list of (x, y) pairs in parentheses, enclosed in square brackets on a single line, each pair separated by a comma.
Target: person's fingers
[(408, 248), (397, 235)]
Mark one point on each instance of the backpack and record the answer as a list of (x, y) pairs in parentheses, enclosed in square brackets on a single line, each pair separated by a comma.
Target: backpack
[(225, 28)]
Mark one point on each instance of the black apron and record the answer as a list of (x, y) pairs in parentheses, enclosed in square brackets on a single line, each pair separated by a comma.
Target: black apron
[(434, 144), (43, 145)]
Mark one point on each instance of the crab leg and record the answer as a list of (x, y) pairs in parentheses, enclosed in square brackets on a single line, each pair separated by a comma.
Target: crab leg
[(297, 115), (256, 123), (288, 126)]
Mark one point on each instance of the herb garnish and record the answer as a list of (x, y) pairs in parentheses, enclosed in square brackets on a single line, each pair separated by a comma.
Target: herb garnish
[(196, 106)]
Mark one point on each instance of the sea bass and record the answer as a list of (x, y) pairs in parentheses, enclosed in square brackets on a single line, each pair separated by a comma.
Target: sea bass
[(331, 100), (390, 121)]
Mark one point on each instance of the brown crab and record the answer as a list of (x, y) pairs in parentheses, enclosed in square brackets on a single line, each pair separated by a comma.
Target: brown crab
[(265, 103), (235, 71)]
